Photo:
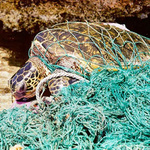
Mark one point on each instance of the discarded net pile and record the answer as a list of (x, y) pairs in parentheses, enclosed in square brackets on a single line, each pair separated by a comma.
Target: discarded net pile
[(111, 111)]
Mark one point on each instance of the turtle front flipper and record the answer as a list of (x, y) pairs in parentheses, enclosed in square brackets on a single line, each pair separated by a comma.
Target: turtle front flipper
[(56, 84)]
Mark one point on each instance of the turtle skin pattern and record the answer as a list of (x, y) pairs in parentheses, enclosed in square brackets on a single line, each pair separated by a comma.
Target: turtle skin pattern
[(81, 47), (23, 82)]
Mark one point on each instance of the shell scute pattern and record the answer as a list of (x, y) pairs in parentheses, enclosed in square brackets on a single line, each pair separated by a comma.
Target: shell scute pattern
[(93, 45)]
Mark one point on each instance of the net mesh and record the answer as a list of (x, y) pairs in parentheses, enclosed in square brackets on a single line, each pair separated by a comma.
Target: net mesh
[(111, 111), (91, 46)]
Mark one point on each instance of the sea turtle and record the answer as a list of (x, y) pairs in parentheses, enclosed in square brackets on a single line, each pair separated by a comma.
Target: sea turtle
[(79, 48)]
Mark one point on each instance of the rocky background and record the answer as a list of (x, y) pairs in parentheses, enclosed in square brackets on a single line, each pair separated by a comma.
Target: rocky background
[(35, 15), (20, 20)]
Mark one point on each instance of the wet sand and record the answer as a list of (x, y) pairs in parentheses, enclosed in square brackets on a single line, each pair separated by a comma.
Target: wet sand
[(6, 71)]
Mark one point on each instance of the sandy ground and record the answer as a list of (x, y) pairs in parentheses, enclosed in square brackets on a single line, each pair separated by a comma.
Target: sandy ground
[(6, 71)]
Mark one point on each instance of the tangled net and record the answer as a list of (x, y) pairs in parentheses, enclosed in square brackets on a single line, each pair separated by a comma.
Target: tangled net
[(110, 111)]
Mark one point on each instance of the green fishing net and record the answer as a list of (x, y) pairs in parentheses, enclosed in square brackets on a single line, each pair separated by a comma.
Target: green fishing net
[(109, 111), (89, 46)]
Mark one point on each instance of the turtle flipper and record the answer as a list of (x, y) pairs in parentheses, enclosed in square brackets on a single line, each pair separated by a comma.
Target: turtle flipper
[(56, 84)]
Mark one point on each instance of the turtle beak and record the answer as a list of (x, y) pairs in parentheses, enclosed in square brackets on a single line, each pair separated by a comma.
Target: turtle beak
[(20, 91), (18, 95)]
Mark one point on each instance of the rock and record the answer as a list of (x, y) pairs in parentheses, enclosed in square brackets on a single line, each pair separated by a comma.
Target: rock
[(35, 15)]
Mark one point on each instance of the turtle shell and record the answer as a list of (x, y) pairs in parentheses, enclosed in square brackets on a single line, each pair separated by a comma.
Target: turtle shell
[(92, 45)]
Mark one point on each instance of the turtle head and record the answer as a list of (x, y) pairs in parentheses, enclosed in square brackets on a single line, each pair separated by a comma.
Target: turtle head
[(23, 83)]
